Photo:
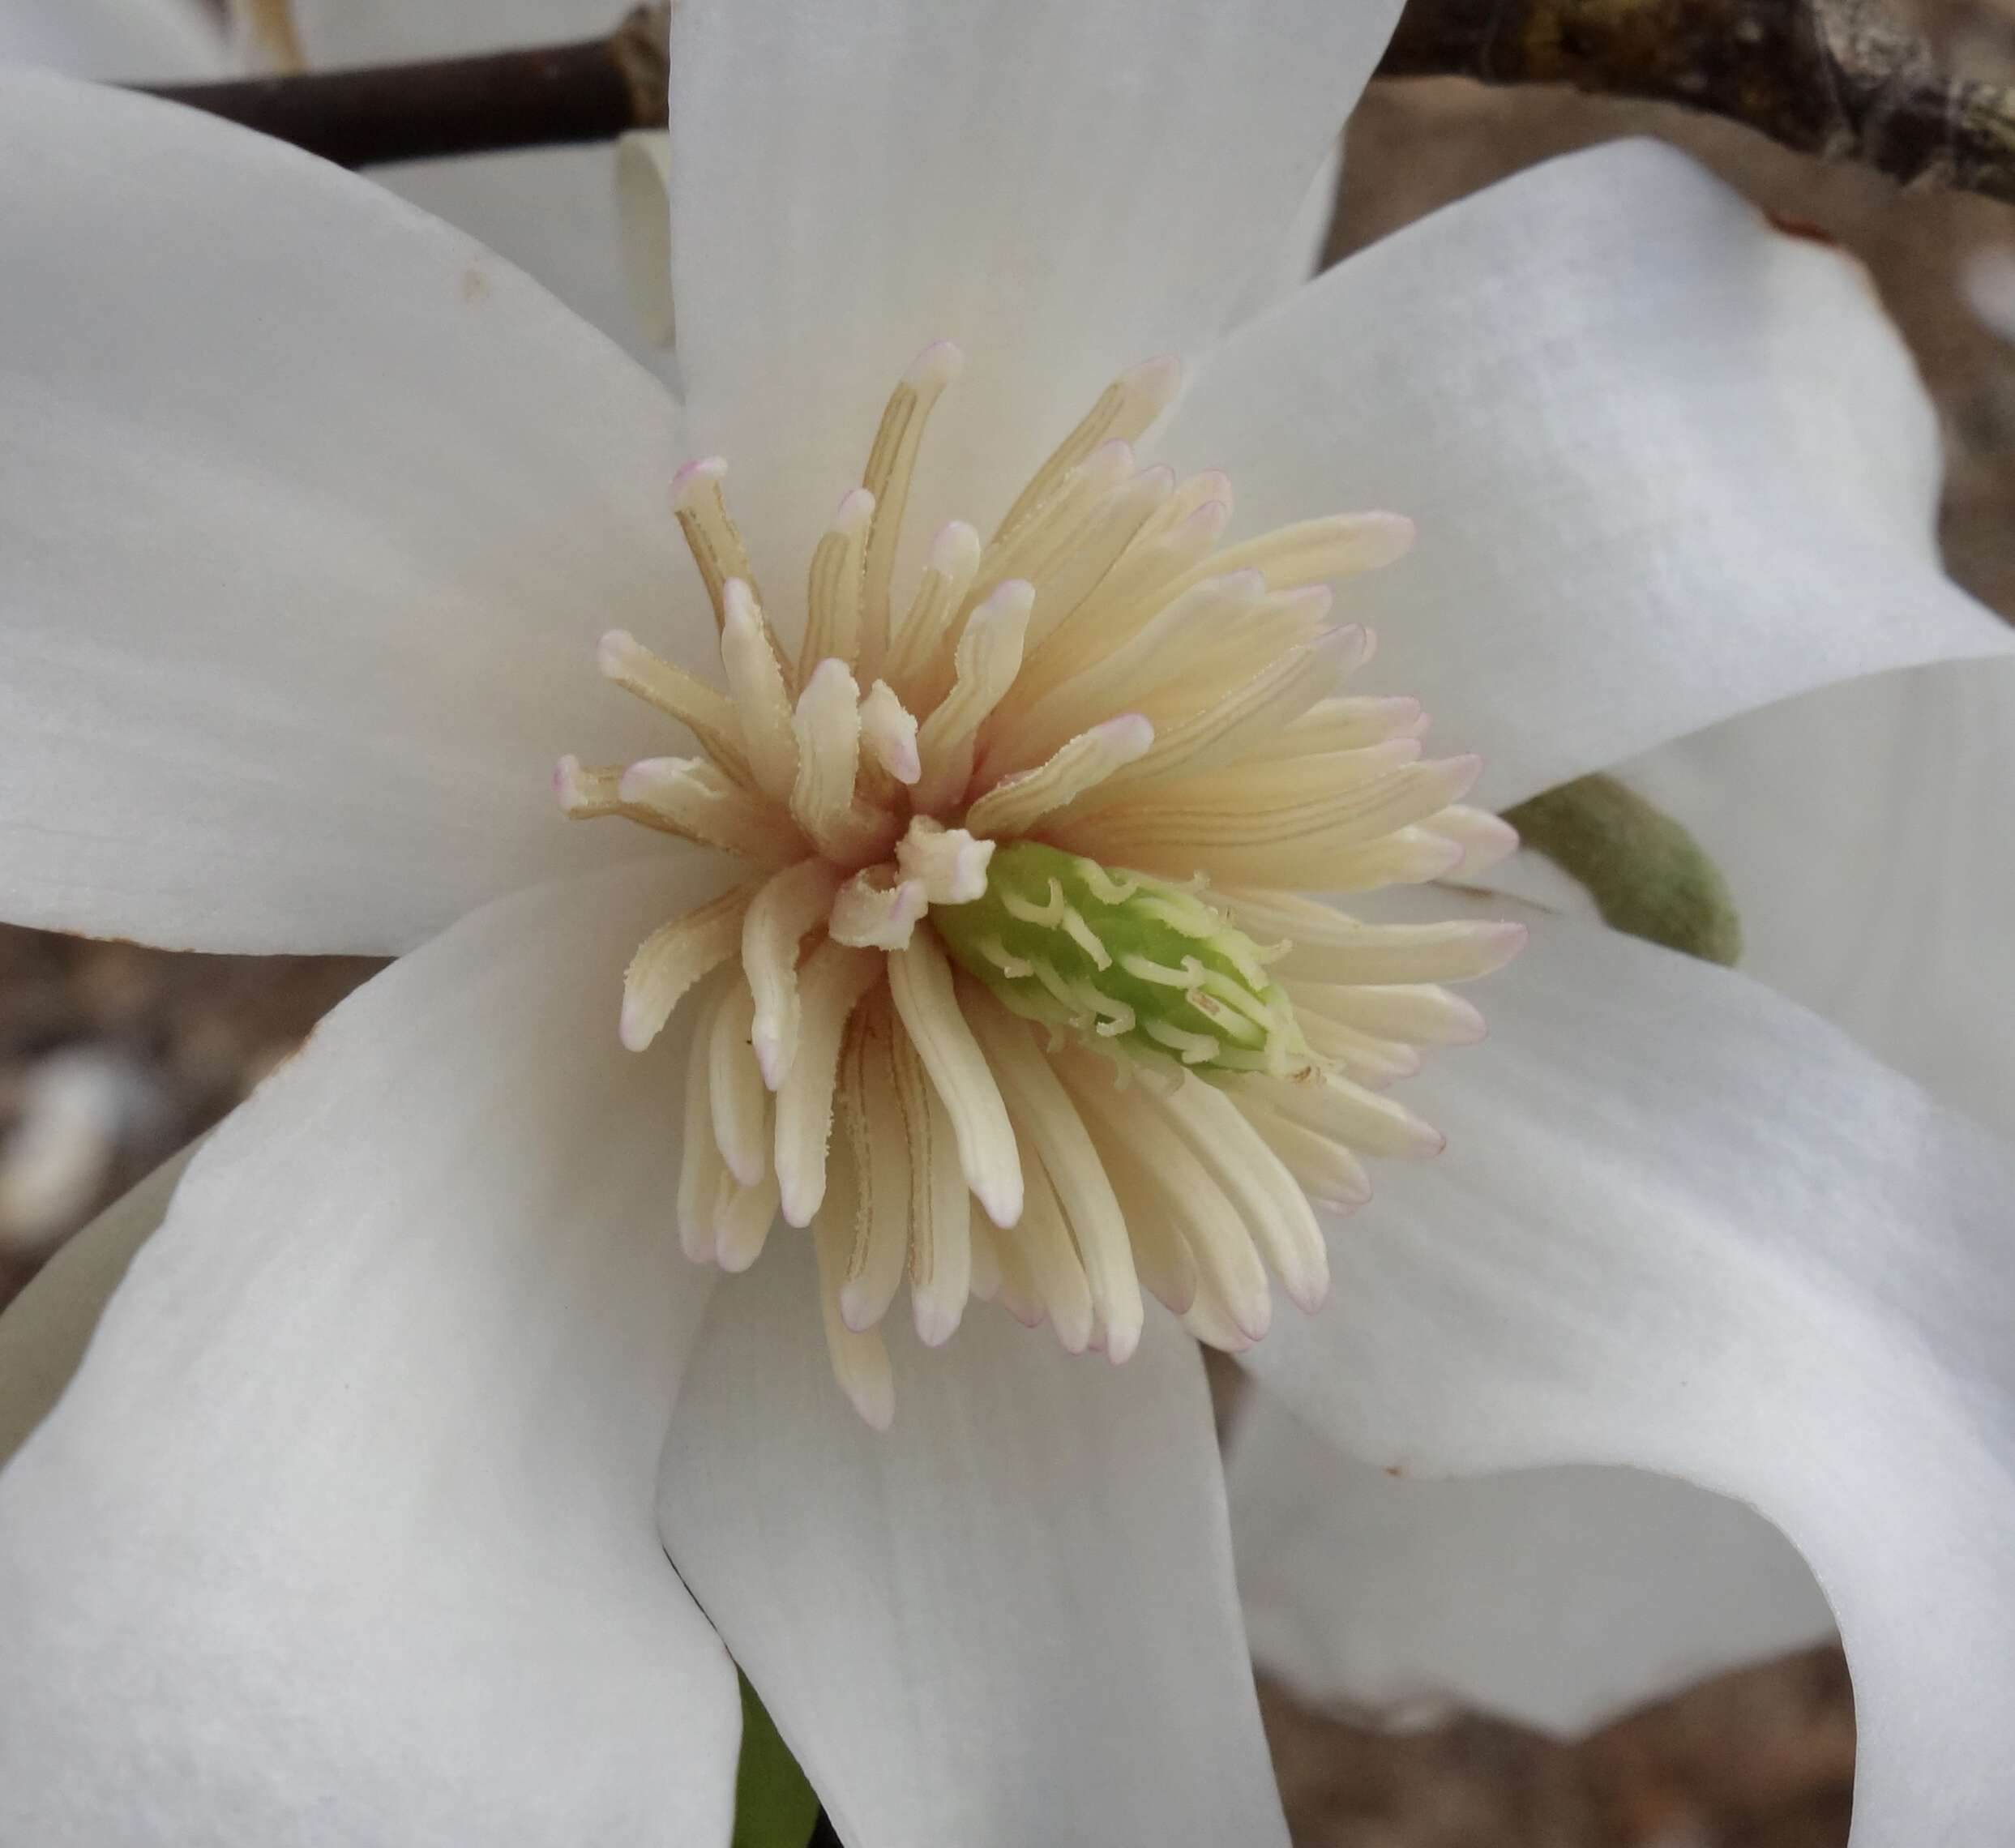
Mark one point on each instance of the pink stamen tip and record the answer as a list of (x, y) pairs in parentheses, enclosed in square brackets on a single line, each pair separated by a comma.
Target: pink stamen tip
[(695, 477), (938, 364), (566, 781), (1389, 537), (855, 510), (1130, 732), (956, 548), (1159, 378)]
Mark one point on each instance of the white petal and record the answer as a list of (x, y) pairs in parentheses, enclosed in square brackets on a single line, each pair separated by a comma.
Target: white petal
[(1868, 833), (46, 1329), (1668, 463), (1062, 186), (304, 565), (554, 211), (1298, 255), (134, 41), (1555, 1597), (1007, 1619), (343, 1532), (1682, 1224)]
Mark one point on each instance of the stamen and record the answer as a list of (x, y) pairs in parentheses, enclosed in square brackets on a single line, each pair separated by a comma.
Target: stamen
[(711, 536), (742, 1225), (876, 911), (1029, 548), (740, 1105), (827, 726), (1313, 842), (779, 918), (1055, 1273), (890, 464), (701, 1170), (702, 709), (860, 1362), (872, 1125), (1124, 411), (1227, 731), (1323, 1167), (691, 797), (1318, 551), (1342, 724), (1142, 581), (925, 639), (988, 657), (940, 1244), (1485, 839), (832, 598), (762, 694), (949, 862), (1112, 526), (1119, 680), (1043, 1108), (1015, 805), (672, 958), (585, 795), (1418, 1014), (1370, 1123), (984, 1244), (921, 984), (1143, 1144), (831, 982), (1329, 946), (1260, 1189), (890, 732)]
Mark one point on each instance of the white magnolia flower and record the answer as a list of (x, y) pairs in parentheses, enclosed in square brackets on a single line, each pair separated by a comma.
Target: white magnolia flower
[(1850, 905), (344, 1530)]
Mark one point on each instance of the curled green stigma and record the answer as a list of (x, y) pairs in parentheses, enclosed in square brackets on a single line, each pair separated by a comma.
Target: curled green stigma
[(1124, 961)]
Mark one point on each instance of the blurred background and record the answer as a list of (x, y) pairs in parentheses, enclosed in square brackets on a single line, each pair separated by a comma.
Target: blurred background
[(112, 1056)]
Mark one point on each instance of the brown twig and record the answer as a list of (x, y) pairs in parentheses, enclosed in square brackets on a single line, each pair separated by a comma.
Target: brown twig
[(593, 90), (1838, 78)]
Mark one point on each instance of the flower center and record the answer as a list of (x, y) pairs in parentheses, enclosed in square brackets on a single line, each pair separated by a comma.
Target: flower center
[(1131, 962), (1071, 780)]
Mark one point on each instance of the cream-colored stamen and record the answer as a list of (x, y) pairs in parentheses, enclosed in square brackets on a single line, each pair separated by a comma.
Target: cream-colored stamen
[(761, 693), (890, 464), (1021, 1000), (832, 601), (889, 733), (924, 643), (674, 958), (711, 536), (988, 657)]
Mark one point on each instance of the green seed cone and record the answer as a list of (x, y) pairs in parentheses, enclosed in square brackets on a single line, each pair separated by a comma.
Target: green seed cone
[(1124, 961)]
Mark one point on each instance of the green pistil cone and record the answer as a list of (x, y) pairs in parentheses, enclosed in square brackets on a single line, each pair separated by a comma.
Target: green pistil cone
[(1124, 962)]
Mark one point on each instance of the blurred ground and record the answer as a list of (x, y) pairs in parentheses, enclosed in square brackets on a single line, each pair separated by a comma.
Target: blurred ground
[(112, 1056)]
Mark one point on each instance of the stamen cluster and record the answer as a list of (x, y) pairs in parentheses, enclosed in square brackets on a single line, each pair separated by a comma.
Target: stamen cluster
[(1031, 839)]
